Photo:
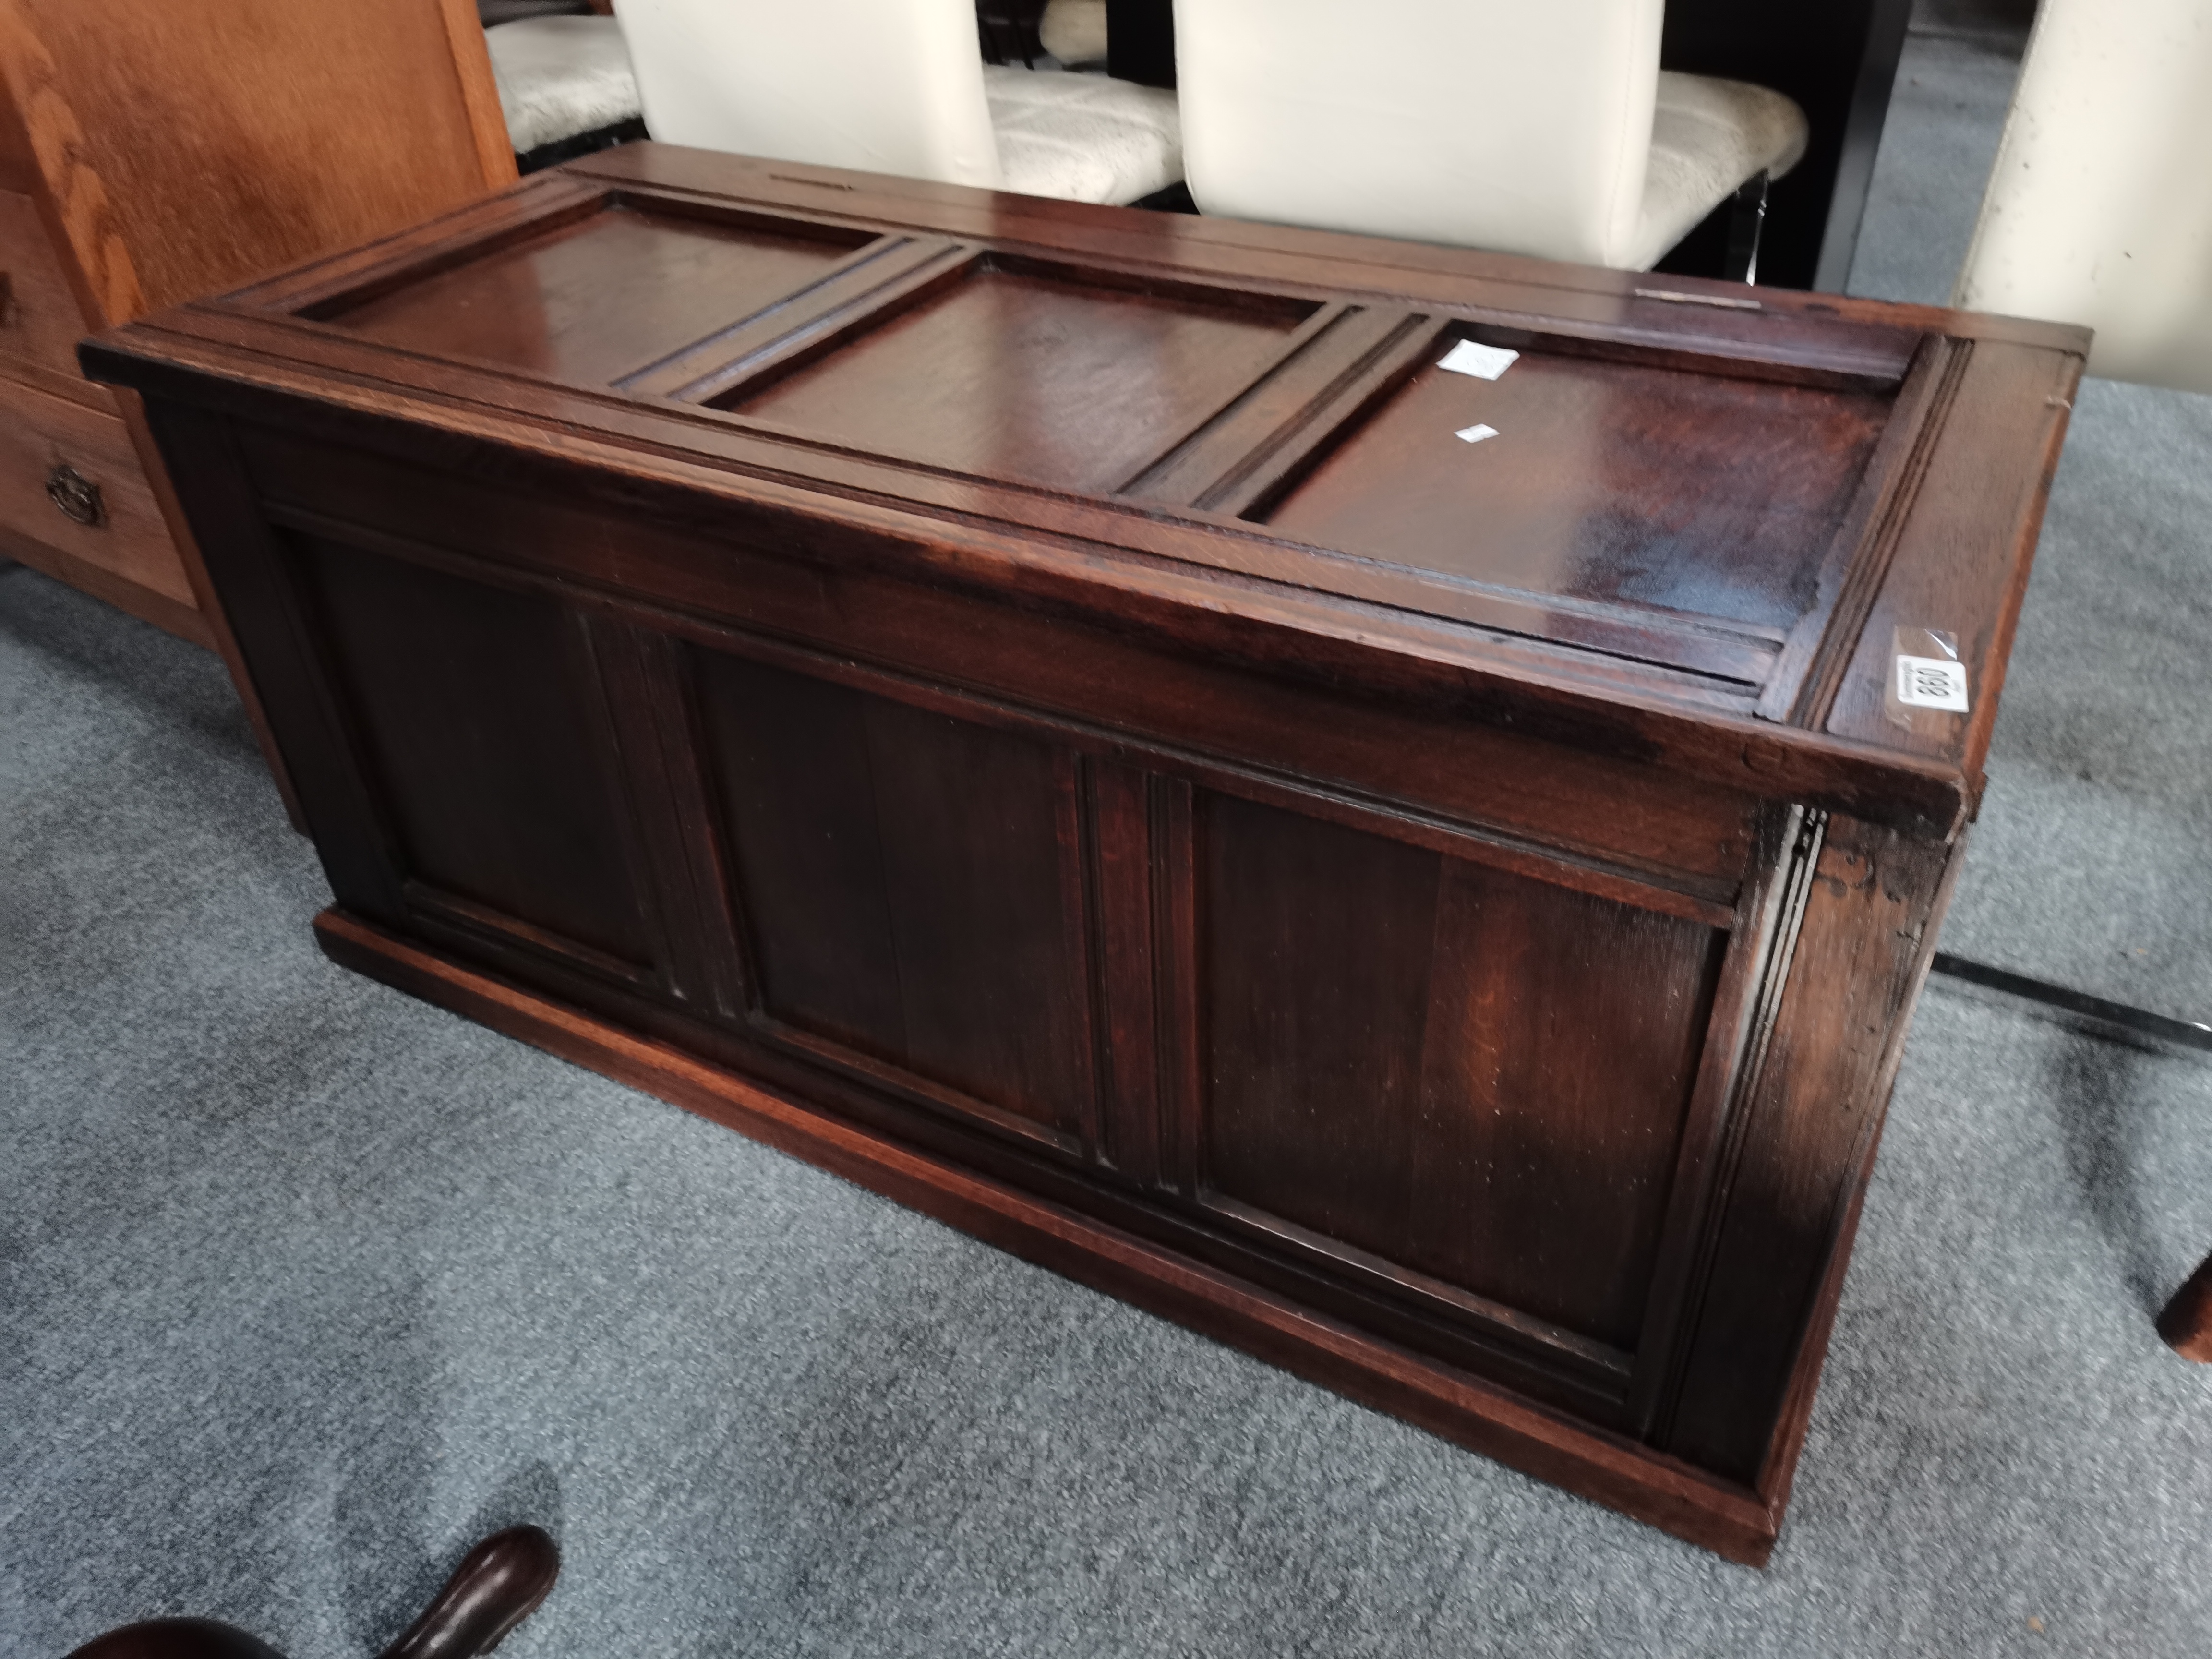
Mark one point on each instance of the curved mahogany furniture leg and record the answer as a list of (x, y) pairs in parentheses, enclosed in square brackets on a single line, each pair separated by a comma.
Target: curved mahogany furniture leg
[(176, 1638), (498, 1584), (2186, 1323)]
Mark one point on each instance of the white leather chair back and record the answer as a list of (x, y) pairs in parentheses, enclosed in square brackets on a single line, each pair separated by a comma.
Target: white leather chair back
[(2100, 208), (1524, 125), (885, 86)]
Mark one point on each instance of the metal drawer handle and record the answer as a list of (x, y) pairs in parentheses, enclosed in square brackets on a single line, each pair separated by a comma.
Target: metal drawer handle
[(76, 495)]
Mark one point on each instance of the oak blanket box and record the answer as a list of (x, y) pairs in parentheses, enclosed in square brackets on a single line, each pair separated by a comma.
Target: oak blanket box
[(1389, 803)]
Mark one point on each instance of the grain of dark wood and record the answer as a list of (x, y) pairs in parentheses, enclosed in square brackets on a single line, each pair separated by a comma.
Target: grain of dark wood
[(905, 886), (1605, 481), (1032, 707), (509, 805), (1564, 1035), (1022, 373), (1312, 1014)]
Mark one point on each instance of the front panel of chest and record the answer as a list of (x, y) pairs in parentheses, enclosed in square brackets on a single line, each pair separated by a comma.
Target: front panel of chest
[(1441, 1020)]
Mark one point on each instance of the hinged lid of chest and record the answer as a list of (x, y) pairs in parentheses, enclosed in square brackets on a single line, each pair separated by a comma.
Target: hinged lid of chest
[(1713, 497)]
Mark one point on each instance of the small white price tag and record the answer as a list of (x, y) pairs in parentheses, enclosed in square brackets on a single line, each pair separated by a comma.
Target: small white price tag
[(1475, 434), (1484, 362), (1931, 683)]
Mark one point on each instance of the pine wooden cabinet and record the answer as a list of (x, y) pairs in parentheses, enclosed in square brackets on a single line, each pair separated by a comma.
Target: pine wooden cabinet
[(1081, 721), (152, 150)]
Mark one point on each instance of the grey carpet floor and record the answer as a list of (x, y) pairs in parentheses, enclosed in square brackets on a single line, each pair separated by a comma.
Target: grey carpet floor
[(304, 1285)]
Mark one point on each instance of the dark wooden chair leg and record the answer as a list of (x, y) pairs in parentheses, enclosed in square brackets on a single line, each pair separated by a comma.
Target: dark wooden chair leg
[(2186, 1323), (176, 1638), (498, 1584)]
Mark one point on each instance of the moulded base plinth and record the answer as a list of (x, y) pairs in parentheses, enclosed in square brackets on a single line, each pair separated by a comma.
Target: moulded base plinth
[(1730, 1520)]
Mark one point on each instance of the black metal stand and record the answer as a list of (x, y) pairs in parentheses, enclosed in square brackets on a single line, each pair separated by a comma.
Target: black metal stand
[(584, 143), (1747, 211), (2137, 1022)]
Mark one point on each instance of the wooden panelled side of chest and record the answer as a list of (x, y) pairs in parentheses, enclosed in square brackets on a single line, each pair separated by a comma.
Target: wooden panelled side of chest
[(1077, 720)]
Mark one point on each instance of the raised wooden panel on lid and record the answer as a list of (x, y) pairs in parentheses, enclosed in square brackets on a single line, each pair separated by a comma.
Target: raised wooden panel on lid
[(1028, 371), (592, 302), (1696, 492)]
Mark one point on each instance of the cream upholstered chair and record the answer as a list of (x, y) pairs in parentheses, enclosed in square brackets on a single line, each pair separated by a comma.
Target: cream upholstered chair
[(2099, 209), (1530, 126), (892, 86), (561, 76)]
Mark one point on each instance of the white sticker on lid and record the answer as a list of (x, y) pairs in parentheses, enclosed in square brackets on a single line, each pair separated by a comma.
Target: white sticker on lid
[(1931, 683), (1475, 434), (1484, 362)]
